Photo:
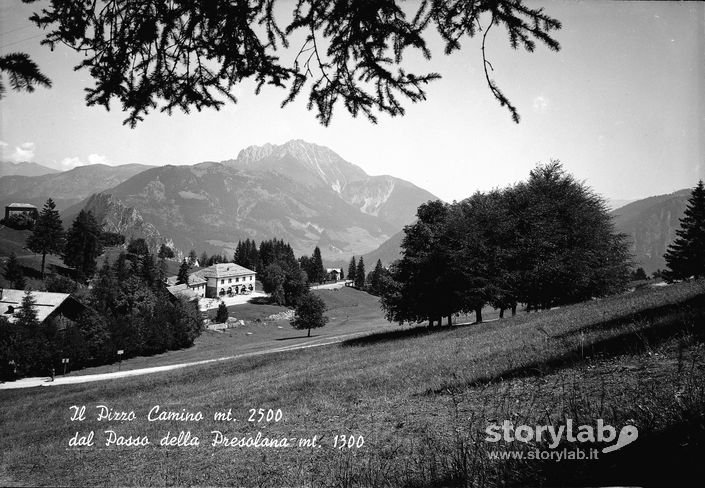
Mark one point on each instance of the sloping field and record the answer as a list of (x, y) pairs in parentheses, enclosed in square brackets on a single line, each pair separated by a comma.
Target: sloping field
[(413, 405)]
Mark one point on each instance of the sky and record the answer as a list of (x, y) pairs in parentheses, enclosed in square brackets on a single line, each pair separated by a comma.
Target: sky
[(622, 106)]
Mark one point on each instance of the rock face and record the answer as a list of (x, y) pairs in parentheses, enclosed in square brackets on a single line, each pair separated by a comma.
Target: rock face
[(302, 193), (116, 217), (391, 199)]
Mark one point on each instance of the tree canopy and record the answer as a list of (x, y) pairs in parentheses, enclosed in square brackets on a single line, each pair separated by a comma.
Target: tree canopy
[(544, 242), (190, 54), (309, 313)]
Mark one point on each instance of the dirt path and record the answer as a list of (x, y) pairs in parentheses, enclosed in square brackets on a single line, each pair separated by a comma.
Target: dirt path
[(69, 380)]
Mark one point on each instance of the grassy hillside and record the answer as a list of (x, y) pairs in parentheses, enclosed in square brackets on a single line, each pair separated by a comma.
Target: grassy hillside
[(421, 399)]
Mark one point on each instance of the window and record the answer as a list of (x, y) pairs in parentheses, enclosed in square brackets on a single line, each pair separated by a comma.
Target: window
[(237, 280), (230, 280), (222, 282)]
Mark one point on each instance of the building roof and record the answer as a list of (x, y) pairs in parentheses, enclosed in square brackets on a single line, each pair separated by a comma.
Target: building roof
[(193, 280), (45, 302), (182, 290), (224, 270), (21, 205)]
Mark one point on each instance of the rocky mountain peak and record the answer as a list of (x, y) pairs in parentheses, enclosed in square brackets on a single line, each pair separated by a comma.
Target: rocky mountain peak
[(303, 161)]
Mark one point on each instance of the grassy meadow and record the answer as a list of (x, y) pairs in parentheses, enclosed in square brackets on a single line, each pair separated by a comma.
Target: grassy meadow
[(419, 398)]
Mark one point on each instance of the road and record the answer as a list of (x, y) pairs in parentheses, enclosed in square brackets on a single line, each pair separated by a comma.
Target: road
[(70, 380)]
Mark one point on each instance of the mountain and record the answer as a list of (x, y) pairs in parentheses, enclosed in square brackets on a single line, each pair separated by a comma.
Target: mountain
[(651, 225), (65, 188), (391, 199), (8, 168), (300, 192), (615, 203), (388, 252)]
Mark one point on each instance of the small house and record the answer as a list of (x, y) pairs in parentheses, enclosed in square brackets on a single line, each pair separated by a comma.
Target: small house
[(25, 209), (60, 306)]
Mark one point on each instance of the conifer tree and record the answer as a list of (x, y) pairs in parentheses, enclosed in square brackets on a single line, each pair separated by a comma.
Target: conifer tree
[(375, 281), (685, 257), (360, 274), (352, 268), (48, 233), (83, 245), (26, 315), (182, 277), (319, 272), (222, 315)]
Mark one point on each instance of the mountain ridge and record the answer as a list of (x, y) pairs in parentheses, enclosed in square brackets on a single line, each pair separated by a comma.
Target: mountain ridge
[(300, 192)]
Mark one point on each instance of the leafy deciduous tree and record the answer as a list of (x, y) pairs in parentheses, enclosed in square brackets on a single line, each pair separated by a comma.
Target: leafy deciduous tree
[(309, 313)]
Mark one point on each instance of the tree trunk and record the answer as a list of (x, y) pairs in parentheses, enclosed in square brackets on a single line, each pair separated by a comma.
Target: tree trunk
[(514, 310), (478, 315), (450, 320), (44, 257), (309, 332), (501, 313)]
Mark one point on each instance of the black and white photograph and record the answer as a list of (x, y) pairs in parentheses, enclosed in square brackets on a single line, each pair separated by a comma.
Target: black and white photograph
[(352, 243)]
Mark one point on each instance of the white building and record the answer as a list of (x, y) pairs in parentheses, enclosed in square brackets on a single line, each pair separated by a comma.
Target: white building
[(227, 278)]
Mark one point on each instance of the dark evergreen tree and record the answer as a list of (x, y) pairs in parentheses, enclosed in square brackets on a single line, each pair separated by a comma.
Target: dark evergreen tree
[(360, 274), (182, 277), (83, 245), (48, 234), (192, 258), (319, 272), (376, 278), (13, 272), (26, 315), (222, 315), (204, 258), (685, 257), (309, 313), (352, 269)]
